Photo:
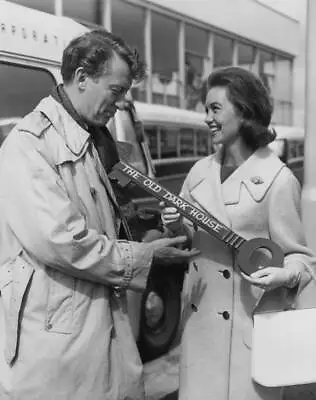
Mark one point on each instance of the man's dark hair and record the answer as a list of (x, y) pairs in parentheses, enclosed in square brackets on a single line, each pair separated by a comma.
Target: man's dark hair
[(251, 100), (93, 49)]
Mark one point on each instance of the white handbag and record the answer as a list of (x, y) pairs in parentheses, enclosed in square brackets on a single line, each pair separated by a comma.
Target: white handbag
[(284, 348)]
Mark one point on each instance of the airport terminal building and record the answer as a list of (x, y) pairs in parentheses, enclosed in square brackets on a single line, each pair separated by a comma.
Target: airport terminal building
[(182, 41)]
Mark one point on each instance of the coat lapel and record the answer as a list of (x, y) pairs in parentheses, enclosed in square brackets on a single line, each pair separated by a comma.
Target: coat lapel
[(257, 174), (206, 190)]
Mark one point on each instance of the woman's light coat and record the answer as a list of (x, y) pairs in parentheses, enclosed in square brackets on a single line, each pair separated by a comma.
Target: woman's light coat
[(260, 199)]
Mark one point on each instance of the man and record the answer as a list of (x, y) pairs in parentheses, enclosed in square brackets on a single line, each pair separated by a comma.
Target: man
[(63, 270)]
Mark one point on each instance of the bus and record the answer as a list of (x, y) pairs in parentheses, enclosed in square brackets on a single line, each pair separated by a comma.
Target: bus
[(176, 139)]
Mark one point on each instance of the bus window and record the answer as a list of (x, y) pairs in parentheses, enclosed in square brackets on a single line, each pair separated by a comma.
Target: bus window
[(186, 142), (153, 141), (169, 143), (22, 88), (203, 143)]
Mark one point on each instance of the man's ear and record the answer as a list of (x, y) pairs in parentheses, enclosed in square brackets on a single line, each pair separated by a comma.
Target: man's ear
[(80, 79)]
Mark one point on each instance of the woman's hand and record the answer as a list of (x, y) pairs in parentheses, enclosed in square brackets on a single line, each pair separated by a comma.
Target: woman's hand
[(169, 215), (270, 278)]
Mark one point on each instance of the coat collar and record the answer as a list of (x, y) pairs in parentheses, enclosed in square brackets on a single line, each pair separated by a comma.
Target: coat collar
[(257, 174), (75, 137)]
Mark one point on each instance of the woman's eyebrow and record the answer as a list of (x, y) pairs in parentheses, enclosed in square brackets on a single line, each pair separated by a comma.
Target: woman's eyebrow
[(212, 104)]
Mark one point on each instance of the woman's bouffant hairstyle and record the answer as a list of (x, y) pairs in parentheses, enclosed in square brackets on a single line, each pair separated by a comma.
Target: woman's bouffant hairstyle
[(251, 100), (93, 49)]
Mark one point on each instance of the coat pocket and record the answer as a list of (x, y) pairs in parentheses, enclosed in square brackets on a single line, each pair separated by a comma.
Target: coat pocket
[(59, 312), (15, 277)]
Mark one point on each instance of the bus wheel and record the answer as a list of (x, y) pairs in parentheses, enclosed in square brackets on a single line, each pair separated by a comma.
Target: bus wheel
[(160, 314)]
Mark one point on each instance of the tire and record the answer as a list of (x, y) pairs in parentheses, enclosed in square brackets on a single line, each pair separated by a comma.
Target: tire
[(157, 334)]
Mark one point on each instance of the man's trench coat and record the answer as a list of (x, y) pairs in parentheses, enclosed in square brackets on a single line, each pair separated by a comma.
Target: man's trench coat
[(260, 199), (66, 334)]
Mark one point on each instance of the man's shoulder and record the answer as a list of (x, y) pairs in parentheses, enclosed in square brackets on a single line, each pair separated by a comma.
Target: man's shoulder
[(36, 122)]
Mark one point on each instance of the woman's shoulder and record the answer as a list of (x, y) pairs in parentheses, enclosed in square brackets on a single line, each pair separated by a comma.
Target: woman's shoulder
[(201, 165), (199, 170)]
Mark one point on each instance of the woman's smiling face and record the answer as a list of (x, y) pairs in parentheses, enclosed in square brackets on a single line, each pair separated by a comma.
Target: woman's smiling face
[(221, 116)]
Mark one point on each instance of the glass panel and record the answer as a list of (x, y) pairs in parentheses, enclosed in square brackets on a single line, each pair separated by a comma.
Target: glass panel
[(22, 89), (83, 10), (282, 114), (266, 70), (202, 143), (165, 80), (168, 140), (283, 78), (194, 82), (186, 142), (196, 40), (246, 56), (128, 21), (223, 51), (42, 5), (152, 137)]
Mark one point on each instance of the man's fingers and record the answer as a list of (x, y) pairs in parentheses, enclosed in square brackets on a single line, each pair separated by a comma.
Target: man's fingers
[(176, 240)]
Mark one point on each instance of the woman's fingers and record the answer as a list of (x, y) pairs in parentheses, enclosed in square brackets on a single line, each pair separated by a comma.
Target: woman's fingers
[(268, 278), (169, 215)]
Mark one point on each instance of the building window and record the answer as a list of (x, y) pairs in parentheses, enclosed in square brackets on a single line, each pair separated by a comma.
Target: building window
[(246, 56), (88, 12), (47, 6), (223, 51), (165, 56), (196, 55), (128, 22), (283, 91), (267, 70)]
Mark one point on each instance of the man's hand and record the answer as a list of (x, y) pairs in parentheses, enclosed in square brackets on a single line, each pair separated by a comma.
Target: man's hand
[(166, 253)]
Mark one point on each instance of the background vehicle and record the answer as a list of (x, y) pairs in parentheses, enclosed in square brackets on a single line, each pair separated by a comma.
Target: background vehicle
[(289, 146), (176, 138), (31, 44)]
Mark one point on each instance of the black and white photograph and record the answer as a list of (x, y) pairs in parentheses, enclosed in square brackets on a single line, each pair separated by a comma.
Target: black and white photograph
[(157, 200)]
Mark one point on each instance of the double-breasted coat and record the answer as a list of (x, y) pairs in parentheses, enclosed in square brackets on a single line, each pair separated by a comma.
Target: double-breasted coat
[(260, 199), (65, 333)]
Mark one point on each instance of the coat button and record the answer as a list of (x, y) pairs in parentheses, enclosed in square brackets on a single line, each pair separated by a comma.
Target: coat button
[(93, 192), (225, 315), (194, 307), (226, 273)]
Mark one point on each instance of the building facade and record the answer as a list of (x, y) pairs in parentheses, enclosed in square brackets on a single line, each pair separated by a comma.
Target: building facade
[(182, 41)]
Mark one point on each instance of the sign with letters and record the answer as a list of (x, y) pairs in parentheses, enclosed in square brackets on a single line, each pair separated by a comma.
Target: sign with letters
[(125, 173)]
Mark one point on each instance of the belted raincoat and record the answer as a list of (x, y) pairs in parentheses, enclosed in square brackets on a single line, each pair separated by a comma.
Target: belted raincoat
[(65, 333), (260, 199)]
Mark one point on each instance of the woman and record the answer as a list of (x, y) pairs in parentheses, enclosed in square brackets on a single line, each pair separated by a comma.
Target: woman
[(250, 190)]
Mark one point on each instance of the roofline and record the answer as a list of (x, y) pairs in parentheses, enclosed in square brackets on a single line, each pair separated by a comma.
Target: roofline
[(156, 113), (277, 11)]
